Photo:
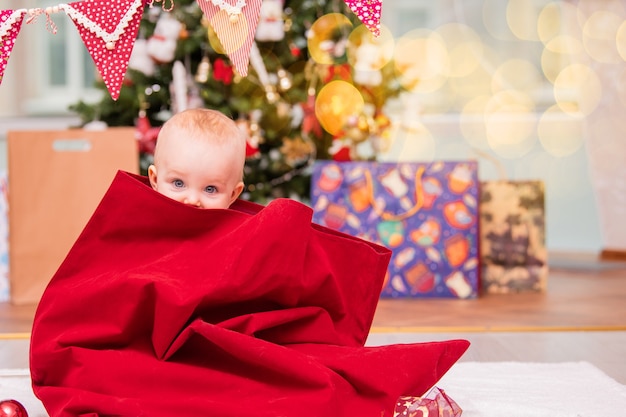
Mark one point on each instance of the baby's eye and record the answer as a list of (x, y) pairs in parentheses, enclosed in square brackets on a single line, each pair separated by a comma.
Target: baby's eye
[(178, 183), (210, 189)]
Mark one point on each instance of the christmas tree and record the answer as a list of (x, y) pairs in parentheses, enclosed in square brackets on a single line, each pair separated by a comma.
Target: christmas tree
[(301, 48)]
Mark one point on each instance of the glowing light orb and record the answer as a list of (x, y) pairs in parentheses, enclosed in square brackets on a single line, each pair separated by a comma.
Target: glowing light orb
[(464, 46), (335, 103), (560, 133), (421, 61), (599, 35), (578, 88), (328, 38)]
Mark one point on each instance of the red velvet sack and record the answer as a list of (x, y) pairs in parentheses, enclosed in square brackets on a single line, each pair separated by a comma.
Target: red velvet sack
[(162, 309)]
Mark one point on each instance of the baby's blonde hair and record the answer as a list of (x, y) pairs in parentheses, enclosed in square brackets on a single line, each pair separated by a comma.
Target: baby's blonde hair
[(210, 125)]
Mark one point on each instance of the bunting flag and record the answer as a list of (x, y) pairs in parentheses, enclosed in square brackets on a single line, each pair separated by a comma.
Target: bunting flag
[(108, 29), (368, 12), (235, 26), (10, 24)]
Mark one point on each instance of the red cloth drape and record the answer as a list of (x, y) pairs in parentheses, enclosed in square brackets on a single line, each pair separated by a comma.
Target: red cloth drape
[(161, 309)]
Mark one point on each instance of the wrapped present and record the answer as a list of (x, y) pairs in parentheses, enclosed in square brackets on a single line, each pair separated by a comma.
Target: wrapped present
[(512, 236), (426, 213), (435, 403)]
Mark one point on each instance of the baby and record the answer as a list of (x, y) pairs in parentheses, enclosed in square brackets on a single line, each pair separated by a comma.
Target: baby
[(199, 159)]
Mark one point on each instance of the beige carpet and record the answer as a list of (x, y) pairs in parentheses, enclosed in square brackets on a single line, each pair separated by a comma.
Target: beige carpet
[(482, 389)]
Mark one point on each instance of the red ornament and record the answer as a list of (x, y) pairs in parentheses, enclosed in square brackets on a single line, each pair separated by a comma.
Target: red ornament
[(223, 72), (342, 155), (310, 123), (252, 150), (145, 134), (338, 72), (12, 408), (295, 51)]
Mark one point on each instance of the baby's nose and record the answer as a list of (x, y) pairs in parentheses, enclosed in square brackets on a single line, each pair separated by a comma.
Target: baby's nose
[(192, 199)]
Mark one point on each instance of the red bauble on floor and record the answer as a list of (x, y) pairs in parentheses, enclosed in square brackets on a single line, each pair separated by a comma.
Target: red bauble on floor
[(12, 408)]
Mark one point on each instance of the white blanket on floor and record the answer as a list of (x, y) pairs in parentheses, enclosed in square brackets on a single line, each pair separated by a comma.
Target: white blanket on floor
[(482, 389), (517, 389)]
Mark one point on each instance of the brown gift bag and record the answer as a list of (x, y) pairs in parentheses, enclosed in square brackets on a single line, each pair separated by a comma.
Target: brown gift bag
[(513, 253), (56, 179)]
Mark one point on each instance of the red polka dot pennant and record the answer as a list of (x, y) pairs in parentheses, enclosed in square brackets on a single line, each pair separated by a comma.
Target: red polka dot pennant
[(234, 23), (108, 29), (368, 12), (10, 24)]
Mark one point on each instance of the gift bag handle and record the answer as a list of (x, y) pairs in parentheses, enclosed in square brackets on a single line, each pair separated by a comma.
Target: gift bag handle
[(419, 197), (496, 162)]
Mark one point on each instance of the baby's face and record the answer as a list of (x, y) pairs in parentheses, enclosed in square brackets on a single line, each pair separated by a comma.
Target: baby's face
[(198, 173)]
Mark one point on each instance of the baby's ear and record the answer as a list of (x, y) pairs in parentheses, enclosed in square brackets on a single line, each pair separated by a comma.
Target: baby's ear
[(236, 192), (152, 175)]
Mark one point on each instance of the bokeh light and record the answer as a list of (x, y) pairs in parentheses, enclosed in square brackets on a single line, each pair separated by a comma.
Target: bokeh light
[(335, 102), (465, 49), (492, 20), (578, 89), (421, 61), (328, 37), (599, 36), (366, 49), (560, 133), (522, 17), (510, 123), (555, 20), (559, 53), (549, 22), (620, 40), (478, 82), (516, 74)]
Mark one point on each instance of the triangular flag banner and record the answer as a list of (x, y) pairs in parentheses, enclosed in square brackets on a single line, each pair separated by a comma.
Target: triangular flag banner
[(235, 26), (108, 29), (368, 12), (10, 24)]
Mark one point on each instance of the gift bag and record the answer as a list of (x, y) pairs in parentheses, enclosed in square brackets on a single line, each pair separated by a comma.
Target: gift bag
[(55, 181), (512, 236), (426, 213)]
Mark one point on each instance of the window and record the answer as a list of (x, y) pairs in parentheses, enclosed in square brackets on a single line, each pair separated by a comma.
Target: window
[(59, 66)]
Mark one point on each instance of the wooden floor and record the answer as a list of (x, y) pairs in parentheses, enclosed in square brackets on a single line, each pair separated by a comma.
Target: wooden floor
[(583, 294), (581, 317)]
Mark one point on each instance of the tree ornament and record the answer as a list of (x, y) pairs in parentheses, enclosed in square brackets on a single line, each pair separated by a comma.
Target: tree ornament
[(145, 134), (252, 141), (12, 408), (140, 60), (164, 6), (223, 72), (296, 150), (162, 44), (284, 79), (203, 71), (271, 94), (271, 27)]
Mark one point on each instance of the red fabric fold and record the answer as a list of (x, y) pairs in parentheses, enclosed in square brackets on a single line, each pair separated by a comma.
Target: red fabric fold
[(161, 309)]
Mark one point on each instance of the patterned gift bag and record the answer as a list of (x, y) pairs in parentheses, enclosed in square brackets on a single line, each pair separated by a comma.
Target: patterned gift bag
[(426, 213)]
